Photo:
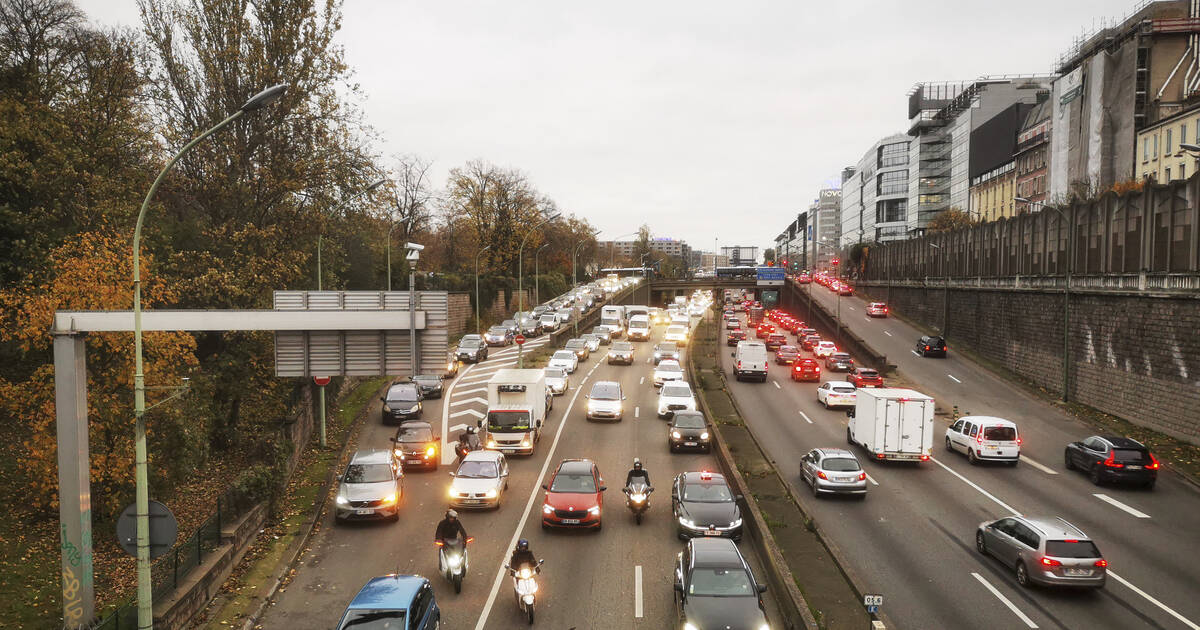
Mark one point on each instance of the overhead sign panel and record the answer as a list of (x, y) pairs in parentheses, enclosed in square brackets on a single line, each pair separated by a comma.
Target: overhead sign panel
[(770, 276)]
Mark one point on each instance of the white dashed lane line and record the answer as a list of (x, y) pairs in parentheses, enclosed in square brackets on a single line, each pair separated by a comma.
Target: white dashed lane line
[(1120, 506), (802, 415), (954, 379), (776, 384), (887, 333)]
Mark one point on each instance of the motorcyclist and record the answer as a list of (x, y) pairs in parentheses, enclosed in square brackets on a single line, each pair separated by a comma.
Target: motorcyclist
[(450, 529), (521, 556), (468, 441), (637, 473)]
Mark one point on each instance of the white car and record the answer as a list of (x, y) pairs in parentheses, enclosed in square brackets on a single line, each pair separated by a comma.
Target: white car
[(877, 309), (606, 401), (480, 481), (675, 396), (837, 394), (667, 370), (565, 359), (549, 322), (824, 348), (676, 334), (593, 342), (557, 381), (984, 438)]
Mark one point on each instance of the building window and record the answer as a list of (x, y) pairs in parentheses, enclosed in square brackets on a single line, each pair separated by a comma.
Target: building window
[(1154, 151), (1168, 174), (895, 182), (1145, 149), (895, 154), (891, 210), (1167, 147), (1182, 133), (1182, 169)]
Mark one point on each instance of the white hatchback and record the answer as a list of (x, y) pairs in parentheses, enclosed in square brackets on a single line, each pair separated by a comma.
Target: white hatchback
[(837, 394), (824, 348), (480, 481), (676, 334), (565, 359), (984, 438), (675, 396), (667, 370)]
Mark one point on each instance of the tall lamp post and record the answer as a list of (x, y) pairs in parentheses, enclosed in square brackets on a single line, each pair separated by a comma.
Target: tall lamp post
[(521, 278), (1066, 341), (477, 324), (575, 271), (144, 589), (537, 280)]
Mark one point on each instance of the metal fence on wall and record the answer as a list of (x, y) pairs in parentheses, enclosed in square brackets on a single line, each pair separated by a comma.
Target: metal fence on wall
[(1149, 232)]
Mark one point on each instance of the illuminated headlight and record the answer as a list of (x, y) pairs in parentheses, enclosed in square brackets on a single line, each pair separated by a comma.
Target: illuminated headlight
[(676, 434), (703, 436), (491, 443), (341, 500), (594, 510), (387, 408), (452, 492), (418, 408), (737, 522), (591, 406), (637, 497), (764, 627), (690, 626), (528, 599), (491, 493), (450, 366), (389, 499), (454, 560), (687, 522), (546, 509), (525, 442), (431, 451), (525, 573), (398, 452)]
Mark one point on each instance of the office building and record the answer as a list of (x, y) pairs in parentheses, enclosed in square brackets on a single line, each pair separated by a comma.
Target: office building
[(708, 260), (668, 246), (875, 193), (740, 256), (825, 218)]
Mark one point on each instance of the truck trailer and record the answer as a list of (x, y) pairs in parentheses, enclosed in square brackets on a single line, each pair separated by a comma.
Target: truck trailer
[(892, 424), (517, 404)]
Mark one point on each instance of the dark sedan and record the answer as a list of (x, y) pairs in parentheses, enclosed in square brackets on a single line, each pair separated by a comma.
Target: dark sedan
[(401, 402), (715, 588), (688, 430), (704, 505), (735, 335), (1107, 458), (498, 336), (471, 350), (430, 385), (787, 355)]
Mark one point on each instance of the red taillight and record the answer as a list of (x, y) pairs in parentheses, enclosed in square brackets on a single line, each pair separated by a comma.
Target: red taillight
[(1051, 562), (1019, 440), (1071, 540), (924, 458), (470, 539), (862, 476), (438, 543), (1153, 465), (979, 438), (878, 455), (1101, 563), (1112, 463), (926, 347), (821, 474)]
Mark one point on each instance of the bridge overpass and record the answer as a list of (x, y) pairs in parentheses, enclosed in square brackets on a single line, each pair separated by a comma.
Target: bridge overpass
[(663, 290)]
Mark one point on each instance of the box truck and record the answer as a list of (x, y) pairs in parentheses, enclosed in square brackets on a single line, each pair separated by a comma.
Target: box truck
[(517, 402), (892, 424), (614, 315)]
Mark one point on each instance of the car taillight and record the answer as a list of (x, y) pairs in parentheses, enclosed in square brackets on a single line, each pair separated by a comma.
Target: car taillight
[(862, 476), (1019, 440), (1112, 463), (926, 347), (1100, 563), (1051, 562), (979, 438), (1153, 465), (821, 474), (924, 458)]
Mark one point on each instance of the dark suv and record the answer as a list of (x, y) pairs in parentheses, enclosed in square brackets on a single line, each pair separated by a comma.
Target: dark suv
[(1112, 458), (931, 346)]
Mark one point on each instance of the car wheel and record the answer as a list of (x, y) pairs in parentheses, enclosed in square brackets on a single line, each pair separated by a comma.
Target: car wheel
[(545, 526), (1067, 463), (849, 436), (599, 525), (949, 446), (1095, 475), (813, 484), (980, 544), (972, 458), (1023, 575), (826, 403)]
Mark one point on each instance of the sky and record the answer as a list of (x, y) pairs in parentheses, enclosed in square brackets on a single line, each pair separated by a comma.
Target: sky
[(704, 120)]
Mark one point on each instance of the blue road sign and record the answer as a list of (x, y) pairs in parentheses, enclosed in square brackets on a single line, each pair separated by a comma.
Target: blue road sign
[(770, 276)]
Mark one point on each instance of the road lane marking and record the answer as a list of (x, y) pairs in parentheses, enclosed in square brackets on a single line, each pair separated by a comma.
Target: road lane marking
[(914, 353), (850, 307), (1045, 469), (887, 333), (954, 379), (473, 390), (464, 401), (776, 384), (803, 415), (637, 591), (1005, 601), (972, 484), (872, 480), (648, 359), (642, 381), (1188, 622), (1120, 506), (468, 412), (637, 412)]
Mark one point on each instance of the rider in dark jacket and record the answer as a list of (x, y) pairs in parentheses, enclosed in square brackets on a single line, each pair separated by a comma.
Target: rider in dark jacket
[(637, 472), (521, 556), (450, 528)]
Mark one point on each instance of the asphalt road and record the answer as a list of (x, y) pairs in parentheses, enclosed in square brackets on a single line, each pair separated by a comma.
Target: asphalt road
[(912, 539), (589, 579)]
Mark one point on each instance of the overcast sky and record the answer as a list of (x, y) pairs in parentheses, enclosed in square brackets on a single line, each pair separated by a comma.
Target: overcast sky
[(703, 119)]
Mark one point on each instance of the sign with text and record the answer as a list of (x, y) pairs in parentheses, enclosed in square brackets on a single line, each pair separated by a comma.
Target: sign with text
[(770, 276)]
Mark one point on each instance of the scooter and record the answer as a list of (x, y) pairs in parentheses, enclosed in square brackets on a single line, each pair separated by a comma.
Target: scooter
[(637, 498), (472, 443), (453, 561), (524, 586)]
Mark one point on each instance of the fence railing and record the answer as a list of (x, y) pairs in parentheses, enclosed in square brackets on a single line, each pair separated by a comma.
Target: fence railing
[(1152, 282)]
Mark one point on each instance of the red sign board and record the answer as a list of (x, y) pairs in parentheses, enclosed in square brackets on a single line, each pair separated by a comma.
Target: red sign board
[(320, 381), (520, 339)]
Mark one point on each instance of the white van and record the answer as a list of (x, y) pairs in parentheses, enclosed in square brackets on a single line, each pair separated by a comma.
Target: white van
[(984, 438), (750, 360), (639, 328)]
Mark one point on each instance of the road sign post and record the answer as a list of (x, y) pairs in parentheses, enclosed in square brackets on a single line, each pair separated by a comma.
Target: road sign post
[(872, 601), (520, 339), (321, 382)]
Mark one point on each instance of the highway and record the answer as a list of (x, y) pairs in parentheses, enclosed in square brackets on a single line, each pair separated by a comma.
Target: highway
[(912, 539), (589, 579)]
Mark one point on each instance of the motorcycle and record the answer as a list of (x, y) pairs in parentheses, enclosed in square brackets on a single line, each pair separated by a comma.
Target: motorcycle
[(637, 498), (524, 586), (453, 561), (472, 443)]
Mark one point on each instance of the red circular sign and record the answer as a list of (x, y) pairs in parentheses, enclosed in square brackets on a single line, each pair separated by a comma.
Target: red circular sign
[(320, 381), (520, 339)]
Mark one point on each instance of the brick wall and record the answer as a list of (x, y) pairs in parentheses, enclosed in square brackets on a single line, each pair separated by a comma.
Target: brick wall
[(1133, 356)]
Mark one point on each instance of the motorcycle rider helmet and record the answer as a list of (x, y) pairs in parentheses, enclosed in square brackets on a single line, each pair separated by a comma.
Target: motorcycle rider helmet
[(470, 430), (637, 464), (523, 545), (452, 515)]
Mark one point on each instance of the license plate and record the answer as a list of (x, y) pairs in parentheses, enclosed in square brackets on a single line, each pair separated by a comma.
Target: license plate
[(364, 511), (992, 448), (689, 443), (712, 532), (1132, 467), (570, 521), (1077, 571), (845, 478)]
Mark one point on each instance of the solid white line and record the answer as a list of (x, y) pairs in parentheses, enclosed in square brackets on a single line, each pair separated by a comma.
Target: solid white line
[(1120, 506), (464, 401), (914, 353), (500, 572), (954, 379), (972, 484), (872, 480), (803, 415), (494, 360), (776, 384), (1002, 598), (1045, 469), (469, 391), (637, 412), (1188, 622), (887, 333), (468, 412), (637, 591), (642, 381)]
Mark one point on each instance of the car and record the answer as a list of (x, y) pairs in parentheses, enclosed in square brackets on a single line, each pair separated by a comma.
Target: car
[(621, 352), (416, 445), (1046, 551), (530, 326), (540, 309), (665, 350), (877, 309), (430, 385), (676, 334), (763, 330), (565, 359), (824, 348), (511, 326), (401, 402), (837, 394), (804, 332), (549, 321), (715, 588), (566, 314), (792, 325), (574, 496), (984, 438), (667, 370), (733, 323), (579, 347), (775, 341), (839, 362), (809, 342), (833, 470), (1113, 458), (498, 336), (864, 377), (604, 333), (735, 335), (472, 337), (931, 346), (786, 354), (704, 505), (605, 401), (371, 487), (471, 350), (480, 481), (845, 289), (403, 602), (593, 342), (675, 396), (688, 430), (806, 370), (556, 380)]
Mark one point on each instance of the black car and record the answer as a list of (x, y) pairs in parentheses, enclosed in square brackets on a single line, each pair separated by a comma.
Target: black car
[(471, 350), (1113, 458), (931, 346), (839, 362), (715, 588), (401, 402), (688, 430), (430, 385), (704, 505), (416, 445)]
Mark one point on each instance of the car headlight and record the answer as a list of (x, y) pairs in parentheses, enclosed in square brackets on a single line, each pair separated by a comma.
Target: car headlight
[(690, 626), (387, 408), (341, 500), (452, 492), (546, 509), (398, 452), (431, 451), (389, 499), (687, 522), (737, 522), (594, 510), (418, 408), (676, 435), (764, 627), (491, 493), (704, 436)]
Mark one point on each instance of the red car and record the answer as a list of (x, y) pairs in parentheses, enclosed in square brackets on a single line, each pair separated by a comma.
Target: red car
[(804, 278), (574, 496), (763, 330), (810, 341), (806, 370), (845, 289), (865, 377), (735, 335), (775, 341)]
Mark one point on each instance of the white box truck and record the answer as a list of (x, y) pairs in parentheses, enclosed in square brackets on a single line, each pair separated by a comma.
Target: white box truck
[(517, 403), (892, 424), (614, 315)]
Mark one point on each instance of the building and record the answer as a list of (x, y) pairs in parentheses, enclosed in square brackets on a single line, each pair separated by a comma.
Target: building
[(668, 246), (708, 260), (739, 256), (875, 193), (1126, 78), (1159, 155), (825, 217), (791, 245), (1033, 154), (992, 166)]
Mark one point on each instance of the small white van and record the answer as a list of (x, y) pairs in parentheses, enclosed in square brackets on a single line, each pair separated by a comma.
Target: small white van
[(984, 438), (639, 328), (750, 361)]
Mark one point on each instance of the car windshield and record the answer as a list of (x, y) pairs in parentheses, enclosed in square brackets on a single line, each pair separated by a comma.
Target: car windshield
[(707, 493), (471, 344), (564, 354), (573, 482), (548, 318), (840, 356), (576, 343), (403, 393), (606, 391), (477, 470), (787, 349), (675, 330), (669, 367), (689, 421), (1000, 434), (868, 373), (361, 619), (680, 391), (426, 379), (721, 583), (417, 433), (555, 373), (844, 389), (497, 330), (622, 346), (508, 420), (666, 347), (1072, 549), (367, 473), (839, 464)]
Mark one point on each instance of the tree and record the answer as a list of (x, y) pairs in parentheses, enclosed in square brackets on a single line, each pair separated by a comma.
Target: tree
[(949, 220), (769, 255), (641, 245)]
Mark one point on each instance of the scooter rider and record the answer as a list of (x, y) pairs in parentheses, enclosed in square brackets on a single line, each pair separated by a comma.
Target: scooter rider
[(637, 473), (468, 441), (450, 528), (521, 556)]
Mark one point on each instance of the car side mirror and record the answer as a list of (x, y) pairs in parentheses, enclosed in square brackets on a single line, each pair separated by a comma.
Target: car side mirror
[(733, 354), (850, 413), (739, 497), (545, 487), (452, 474), (603, 488), (383, 399), (393, 439), (762, 588), (679, 586)]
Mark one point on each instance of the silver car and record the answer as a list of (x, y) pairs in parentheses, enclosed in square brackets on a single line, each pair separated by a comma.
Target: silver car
[(605, 401), (370, 488), (833, 470), (593, 342), (480, 481), (556, 380), (1043, 550)]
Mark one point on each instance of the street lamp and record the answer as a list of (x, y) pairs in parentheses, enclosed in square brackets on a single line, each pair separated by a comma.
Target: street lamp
[(521, 278), (1067, 289), (477, 255), (144, 588), (537, 281), (574, 269)]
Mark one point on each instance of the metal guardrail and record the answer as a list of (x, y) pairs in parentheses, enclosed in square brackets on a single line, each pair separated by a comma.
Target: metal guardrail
[(1149, 282)]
